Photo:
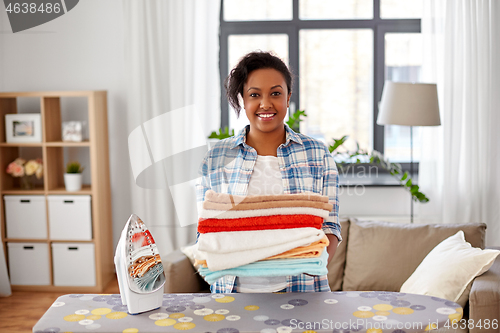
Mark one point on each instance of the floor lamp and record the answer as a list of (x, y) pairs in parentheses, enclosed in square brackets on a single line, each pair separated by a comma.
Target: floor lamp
[(409, 104)]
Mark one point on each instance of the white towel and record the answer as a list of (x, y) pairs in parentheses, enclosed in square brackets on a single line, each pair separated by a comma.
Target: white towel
[(236, 214), (225, 250)]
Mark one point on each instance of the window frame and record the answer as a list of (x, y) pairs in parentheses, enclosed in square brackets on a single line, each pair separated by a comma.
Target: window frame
[(292, 27)]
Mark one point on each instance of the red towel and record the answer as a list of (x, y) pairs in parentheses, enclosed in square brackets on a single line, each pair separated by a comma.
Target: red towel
[(260, 223)]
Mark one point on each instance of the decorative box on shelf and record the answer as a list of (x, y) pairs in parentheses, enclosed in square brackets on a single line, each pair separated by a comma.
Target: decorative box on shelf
[(29, 263), (25, 216), (70, 217), (74, 264), (72, 131)]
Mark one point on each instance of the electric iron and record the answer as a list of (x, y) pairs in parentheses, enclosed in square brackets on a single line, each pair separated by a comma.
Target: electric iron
[(138, 268)]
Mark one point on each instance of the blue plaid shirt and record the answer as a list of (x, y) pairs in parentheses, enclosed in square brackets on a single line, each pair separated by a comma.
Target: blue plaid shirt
[(306, 166)]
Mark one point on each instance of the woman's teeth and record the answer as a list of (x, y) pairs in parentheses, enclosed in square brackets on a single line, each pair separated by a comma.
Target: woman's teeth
[(267, 115)]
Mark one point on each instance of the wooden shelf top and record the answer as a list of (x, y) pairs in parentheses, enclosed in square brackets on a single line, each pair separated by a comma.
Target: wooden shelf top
[(45, 240), (86, 189), (67, 144), (25, 240), (27, 144), (81, 93), (47, 144), (18, 191)]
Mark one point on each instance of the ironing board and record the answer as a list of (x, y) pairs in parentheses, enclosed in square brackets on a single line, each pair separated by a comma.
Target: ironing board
[(339, 312)]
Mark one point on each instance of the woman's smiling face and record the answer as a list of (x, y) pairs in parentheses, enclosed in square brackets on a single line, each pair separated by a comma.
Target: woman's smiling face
[(265, 99)]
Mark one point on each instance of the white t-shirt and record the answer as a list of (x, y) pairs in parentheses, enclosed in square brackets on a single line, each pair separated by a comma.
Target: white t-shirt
[(266, 179)]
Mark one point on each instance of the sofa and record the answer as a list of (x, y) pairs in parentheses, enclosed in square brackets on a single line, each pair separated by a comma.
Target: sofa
[(377, 255)]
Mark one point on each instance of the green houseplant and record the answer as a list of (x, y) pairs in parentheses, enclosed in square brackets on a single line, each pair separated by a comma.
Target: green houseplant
[(345, 160), (223, 134), (73, 177)]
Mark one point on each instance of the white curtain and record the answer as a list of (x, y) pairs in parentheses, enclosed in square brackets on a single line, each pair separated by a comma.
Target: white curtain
[(460, 165), (172, 59)]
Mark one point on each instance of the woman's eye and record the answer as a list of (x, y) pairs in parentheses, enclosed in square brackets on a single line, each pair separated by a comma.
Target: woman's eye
[(253, 95), (276, 93)]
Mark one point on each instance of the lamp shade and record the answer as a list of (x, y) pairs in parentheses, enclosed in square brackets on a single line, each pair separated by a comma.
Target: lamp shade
[(410, 104)]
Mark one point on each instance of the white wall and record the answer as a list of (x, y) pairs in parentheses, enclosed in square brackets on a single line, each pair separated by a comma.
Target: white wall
[(84, 50)]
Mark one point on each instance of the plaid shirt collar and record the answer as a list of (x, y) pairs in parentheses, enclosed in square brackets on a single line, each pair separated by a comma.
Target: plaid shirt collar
[(241, 138)]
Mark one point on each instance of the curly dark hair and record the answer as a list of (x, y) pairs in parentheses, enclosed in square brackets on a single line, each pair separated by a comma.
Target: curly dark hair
[(252, 61)]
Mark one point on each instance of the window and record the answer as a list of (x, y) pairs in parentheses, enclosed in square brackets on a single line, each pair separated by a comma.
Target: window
[(341, 52), (403, 61)]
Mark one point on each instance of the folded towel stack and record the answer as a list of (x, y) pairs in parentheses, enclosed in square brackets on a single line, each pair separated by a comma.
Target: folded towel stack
[(278, 267), (308, 251), (262, 235)]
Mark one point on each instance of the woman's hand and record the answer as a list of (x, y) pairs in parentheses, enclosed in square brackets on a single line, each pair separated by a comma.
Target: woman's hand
[(334, 242)]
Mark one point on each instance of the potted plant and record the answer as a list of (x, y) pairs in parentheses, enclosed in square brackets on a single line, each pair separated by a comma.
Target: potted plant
[(347, 159), (73, 177)]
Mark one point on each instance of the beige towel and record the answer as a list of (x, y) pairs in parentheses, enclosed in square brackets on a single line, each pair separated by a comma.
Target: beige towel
[(213, 196), (267, 204)]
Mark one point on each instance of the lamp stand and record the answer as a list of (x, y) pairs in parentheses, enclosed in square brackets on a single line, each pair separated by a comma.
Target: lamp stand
[(411, 170)]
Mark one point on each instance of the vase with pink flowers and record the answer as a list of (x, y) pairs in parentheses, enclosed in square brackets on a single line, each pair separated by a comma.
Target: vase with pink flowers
[(26, 170)]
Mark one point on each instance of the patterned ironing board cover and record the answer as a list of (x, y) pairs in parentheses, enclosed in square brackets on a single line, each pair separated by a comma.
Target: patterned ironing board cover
[(339, 312)]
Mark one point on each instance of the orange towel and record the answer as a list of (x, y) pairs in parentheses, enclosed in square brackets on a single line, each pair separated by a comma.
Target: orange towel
[(260, 223), (312, 250), (213, 196), (267, 204)]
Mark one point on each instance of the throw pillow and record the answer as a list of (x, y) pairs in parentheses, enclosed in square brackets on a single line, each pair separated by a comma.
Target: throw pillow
[(188, 251), (449, 268)]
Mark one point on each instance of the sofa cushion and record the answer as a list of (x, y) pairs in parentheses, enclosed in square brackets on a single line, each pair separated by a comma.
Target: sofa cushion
[(336, 266), (188, 251), (383, 255)]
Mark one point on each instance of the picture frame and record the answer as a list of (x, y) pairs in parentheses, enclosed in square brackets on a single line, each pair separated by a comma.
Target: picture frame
[(72, 131), (23, 127)]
